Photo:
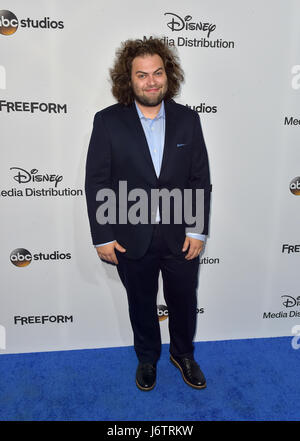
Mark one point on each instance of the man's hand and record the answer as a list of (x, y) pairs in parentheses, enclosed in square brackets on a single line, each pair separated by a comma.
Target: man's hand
[(107, 252), (195, 247)]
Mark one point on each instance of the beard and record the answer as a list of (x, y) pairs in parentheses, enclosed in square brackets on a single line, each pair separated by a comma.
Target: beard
[(150, 101)]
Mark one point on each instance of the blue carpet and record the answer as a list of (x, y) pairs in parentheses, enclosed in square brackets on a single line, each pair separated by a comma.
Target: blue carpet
[(247, 380)]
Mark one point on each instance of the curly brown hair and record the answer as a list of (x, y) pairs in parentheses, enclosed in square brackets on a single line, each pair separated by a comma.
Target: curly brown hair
[(120, 73)]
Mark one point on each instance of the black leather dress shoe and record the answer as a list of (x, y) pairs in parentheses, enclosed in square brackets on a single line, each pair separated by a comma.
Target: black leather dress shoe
[(190, 371), (145, 376)]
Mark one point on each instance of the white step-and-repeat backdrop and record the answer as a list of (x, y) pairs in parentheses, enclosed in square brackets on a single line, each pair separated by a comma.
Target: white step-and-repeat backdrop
[(242, 65)]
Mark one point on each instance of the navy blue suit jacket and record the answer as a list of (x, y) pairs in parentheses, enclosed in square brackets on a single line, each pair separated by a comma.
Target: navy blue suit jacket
[(118, 151)]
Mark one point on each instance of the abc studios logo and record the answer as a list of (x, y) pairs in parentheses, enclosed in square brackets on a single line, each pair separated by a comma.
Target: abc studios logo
[(295, 186), (163, 313), (20, 257), (8, 23)]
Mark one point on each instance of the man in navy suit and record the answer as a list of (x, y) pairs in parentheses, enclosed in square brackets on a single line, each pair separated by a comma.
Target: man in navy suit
[(151, 143)]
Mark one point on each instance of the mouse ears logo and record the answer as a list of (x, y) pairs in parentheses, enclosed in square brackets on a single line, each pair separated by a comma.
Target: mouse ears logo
[(295, 186), (20, 257), (8, 23)]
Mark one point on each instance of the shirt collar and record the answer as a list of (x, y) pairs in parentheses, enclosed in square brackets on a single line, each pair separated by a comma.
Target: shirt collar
[(161, 113)]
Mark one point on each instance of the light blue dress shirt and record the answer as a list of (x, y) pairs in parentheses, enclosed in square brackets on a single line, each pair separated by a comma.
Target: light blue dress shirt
[(154, 130)]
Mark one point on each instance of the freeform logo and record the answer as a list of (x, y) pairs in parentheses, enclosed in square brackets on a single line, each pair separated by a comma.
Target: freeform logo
[(32, 107), (21, 257), (286, 248), (41, 319), (296, 77), (9, 23), (295, 186), (2, 78)]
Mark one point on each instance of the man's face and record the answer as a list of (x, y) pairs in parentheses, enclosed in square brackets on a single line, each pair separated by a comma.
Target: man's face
[(149, 80)]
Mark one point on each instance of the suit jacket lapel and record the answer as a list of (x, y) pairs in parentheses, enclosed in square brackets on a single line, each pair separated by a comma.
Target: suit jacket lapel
[(133, 120), (169, 135), (135, 125)]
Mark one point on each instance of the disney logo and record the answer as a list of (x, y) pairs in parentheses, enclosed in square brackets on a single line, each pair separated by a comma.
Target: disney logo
[(23, 176), (291, 301), (177, 24)]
